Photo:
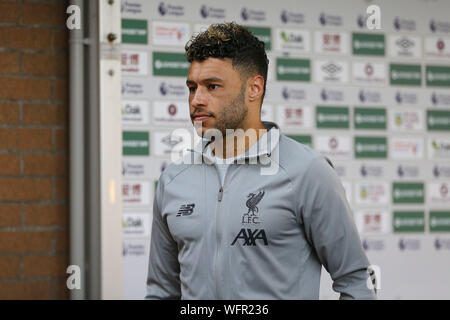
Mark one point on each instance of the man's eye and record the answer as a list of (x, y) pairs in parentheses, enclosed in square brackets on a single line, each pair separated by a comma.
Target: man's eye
[(192, 89), (213, 86)]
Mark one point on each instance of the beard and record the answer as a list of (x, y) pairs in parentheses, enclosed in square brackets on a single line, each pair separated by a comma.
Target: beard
[(233, 114)]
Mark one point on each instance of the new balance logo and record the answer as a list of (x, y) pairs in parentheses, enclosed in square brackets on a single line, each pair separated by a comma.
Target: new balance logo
[(186, 210), (250, 236)]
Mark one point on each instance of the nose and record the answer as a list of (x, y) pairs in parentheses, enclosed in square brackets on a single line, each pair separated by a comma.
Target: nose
[(199, 98)]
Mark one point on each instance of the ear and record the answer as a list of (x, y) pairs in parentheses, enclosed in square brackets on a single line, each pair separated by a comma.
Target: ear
[(255, 88)]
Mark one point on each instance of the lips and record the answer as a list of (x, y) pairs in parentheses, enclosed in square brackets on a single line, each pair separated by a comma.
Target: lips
[(201, 116)]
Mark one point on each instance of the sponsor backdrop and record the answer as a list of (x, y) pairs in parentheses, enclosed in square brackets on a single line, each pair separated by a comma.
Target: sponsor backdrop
[(376, 102)]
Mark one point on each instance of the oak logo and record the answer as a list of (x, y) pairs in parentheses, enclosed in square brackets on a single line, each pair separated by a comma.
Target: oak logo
[(250, 236)]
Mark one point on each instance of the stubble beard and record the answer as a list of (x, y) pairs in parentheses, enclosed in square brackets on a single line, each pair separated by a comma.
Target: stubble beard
[(232, 115)]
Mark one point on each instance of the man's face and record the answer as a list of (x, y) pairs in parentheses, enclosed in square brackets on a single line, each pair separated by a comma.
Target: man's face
[(216, 95)]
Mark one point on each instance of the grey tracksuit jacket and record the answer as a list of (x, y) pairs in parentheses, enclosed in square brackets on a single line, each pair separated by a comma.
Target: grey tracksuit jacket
[(259, 236)]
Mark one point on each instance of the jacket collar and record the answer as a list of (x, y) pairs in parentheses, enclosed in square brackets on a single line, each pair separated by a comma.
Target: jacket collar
[(262, 148)]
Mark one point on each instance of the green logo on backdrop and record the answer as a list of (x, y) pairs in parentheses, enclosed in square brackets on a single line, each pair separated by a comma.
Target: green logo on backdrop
[(405, 74), (371, 147), (263, 34), (408, 192), (293, 69), (332, 117), (438, 76), (135, 143), (409, 221), (170, 64), (368, 44), (439, 221), (438, 120), (373, 118), (305, 139), (134, 31)]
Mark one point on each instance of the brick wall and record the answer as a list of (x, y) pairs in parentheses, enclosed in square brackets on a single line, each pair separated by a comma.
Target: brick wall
[(34, 215)]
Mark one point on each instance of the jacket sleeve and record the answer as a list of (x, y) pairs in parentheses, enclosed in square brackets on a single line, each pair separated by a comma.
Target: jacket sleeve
[(331, 231), (163, 280)]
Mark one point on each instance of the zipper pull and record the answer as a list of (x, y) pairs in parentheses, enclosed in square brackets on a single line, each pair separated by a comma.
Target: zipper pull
[(220, 194)]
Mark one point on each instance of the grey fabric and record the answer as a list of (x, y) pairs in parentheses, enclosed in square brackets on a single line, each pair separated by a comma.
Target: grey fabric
[(266, 239)]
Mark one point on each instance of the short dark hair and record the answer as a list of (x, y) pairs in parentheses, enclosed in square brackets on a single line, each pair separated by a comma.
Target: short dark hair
[(230, 40)]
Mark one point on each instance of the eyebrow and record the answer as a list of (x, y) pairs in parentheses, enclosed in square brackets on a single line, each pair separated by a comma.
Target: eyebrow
[(212, 79)]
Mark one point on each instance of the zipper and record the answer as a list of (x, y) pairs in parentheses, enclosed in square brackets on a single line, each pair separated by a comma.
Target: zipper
[(218, 214)]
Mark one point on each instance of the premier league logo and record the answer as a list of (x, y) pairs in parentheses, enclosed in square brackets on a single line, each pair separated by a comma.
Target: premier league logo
[(162, 9)]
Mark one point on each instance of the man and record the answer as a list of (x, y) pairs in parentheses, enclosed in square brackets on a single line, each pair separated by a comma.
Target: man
[(225, 230)]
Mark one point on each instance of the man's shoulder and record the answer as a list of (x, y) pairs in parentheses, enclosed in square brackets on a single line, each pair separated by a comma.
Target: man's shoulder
[(294, 154), (173, 170)]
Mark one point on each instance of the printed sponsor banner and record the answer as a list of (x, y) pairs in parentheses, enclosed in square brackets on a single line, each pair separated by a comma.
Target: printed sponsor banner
[(405, 46), (335, 147), (437, 48), (370, 118), (438, 148), (406, 98), (264, 34), (290, 17), (371, 147), (212, 12), (408, 244), (292, 40), (170, 33), (370, 97), (409, 221), (405, 74), (170, 10), (438, 120), (136, 225), (136, 193), (250, 14), (291, 93), (439, 193), (330, 20), (331, 71), (135, 168), (170, 64), (375, 193), (439, 26), (373, 244), (371, 170), (134, 63), (331, 42), (408, 192), (404, 24), (133, 8), (406, 171), (406, 120), (440, 99), (171, 113), (332, 95), (172, 143), (369, 73), (135, 112), (407, 148), (135, 143), (171, 88), (135, 88), (294, 116), (267, 113), (368, 44), (440, 171), (437, 76), (305, 139), (134, 31), (332, 117), (439, 221), (293, 69), (372, 221)]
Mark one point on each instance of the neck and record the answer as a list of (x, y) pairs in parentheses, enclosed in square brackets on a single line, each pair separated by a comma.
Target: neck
[(239, 141)]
